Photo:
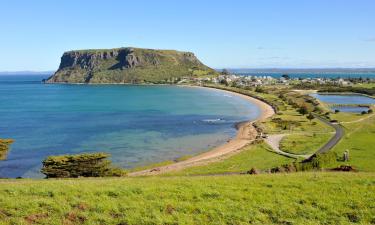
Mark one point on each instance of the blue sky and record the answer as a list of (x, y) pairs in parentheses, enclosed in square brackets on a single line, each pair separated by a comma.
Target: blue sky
[(223, 34)]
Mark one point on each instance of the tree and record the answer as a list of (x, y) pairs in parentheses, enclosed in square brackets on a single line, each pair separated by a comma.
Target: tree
[(259, 89), (225, 72), (310, 117), (285, 76), (81, 165), (225, 82), (303, 110)]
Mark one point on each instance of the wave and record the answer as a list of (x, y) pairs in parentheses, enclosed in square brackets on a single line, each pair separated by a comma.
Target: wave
[(213, 120)]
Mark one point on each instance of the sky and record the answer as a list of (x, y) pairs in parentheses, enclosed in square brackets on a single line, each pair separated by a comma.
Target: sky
[(223, 34)]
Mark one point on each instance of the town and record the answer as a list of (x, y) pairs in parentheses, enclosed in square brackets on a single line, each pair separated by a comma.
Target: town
[(250, 80)]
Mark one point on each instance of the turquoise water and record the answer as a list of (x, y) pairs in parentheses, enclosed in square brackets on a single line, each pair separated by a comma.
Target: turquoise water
[(138, 125)]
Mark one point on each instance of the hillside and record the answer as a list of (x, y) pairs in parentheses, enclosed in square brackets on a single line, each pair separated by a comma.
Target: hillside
[(127, 65), (299, 198)]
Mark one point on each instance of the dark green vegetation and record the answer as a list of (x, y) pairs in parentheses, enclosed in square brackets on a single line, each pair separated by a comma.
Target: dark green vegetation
[(319, 161), (368, 89), (82, 165), (298, 198), (4, 147), (128, 65), (361, 90)]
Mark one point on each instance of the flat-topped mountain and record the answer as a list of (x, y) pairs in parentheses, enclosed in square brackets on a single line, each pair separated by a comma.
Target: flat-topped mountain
[(127, 65)]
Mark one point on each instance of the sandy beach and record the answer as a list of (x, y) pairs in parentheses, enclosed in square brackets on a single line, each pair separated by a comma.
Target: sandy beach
[(245, 135)]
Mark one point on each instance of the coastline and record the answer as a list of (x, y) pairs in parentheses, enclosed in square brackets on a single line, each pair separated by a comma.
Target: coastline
[(245, 135)]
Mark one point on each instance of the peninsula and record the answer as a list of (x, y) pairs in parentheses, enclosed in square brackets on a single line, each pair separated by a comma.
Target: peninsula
[(128, 65)]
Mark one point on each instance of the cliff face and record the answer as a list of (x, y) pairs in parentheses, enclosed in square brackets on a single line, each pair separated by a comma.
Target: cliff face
[(127, 65)]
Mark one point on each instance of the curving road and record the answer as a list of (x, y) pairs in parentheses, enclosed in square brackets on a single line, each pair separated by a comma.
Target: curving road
[(274, 140), (335, 139)]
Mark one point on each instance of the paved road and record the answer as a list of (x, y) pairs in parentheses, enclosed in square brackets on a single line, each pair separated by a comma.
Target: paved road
[(274, 140), (335, 139)]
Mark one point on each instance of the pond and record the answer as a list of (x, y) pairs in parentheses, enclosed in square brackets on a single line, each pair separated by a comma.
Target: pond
[(350, 109), (344, 99), (354, 99)]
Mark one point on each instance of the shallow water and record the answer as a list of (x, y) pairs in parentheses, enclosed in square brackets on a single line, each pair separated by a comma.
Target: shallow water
[(350, 109), (137, 125), (344, 99)]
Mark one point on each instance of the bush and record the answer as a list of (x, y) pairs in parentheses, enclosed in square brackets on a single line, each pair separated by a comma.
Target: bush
[(81, 165), (285, 124), (303, 110), (363, 112), (253, 171), (4, 147), (260, 90), (316, 162), (310, 117), (370, 111)]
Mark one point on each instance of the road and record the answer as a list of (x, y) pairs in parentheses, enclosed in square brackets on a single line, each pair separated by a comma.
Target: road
[(335, 139), (274, 140)]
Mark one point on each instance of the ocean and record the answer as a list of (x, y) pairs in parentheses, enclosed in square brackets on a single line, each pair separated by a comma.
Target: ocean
[(136, 124)]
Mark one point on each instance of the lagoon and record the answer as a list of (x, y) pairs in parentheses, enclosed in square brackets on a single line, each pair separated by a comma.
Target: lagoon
[(350, 109), (346, 102), (344, 99)]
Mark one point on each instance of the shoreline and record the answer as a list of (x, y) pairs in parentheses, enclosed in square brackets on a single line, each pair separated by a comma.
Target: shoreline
[(246, 133)]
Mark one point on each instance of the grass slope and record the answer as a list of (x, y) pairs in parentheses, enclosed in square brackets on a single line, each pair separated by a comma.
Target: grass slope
[(304, 143), (258, 156), (300, 198), (359, 139)]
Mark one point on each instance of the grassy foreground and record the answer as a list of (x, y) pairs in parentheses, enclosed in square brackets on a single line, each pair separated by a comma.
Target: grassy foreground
[(299, 198)]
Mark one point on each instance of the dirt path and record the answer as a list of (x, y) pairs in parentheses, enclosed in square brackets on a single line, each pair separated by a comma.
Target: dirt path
[(245, 135), (274, 142), (359, 120)]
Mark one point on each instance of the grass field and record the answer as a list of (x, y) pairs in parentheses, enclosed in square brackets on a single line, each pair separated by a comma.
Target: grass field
[(365, 85), (359, 139), (258, 156), (299, 198), (304, 143)]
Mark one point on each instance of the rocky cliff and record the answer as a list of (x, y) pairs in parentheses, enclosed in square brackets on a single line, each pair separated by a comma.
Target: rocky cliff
[(127, 65)]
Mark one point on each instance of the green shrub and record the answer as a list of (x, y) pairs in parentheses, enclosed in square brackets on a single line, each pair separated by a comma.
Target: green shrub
[(316, 162), (81, 165), (4, 147)]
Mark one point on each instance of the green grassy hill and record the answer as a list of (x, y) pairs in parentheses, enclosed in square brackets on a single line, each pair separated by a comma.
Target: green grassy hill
[(128, 65), (299, 198)]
